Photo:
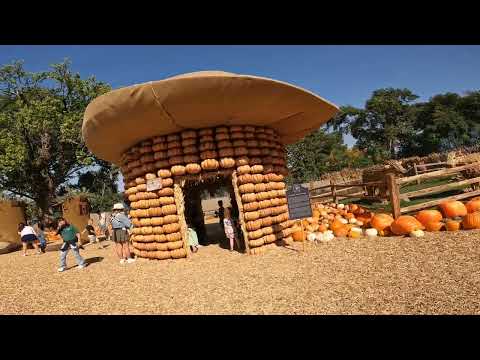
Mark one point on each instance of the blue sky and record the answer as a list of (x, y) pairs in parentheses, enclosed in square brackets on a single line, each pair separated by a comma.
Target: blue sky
[(345, 75)]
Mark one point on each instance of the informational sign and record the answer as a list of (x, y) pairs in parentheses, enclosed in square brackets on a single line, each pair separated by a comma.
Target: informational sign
[(299, 202), (154, 184)]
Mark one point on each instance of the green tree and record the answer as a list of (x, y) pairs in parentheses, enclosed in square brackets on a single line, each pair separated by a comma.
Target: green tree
[(100, 186), (40, 130), (445, 122), (386, 122), (320, 153)]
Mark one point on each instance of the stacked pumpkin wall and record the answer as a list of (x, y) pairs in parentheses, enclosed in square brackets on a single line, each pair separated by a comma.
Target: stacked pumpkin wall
[(253, 155)]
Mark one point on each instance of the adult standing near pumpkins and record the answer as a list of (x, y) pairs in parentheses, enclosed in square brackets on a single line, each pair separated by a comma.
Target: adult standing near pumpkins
[(120, 224)]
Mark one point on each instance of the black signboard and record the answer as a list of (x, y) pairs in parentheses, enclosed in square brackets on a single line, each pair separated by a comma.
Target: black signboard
[(299, 202)]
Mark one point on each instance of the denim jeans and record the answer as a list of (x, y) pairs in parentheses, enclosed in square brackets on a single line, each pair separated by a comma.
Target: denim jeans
[(43, 243), (76, 253)]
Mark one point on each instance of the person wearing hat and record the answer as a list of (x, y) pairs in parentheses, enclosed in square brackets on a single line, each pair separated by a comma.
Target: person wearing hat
[(120, 225)]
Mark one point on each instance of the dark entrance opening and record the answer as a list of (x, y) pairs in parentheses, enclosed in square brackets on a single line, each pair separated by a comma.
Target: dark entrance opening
[(201, 210)]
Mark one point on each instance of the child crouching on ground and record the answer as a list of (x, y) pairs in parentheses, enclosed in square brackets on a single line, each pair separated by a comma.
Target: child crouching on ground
[(70, 238)]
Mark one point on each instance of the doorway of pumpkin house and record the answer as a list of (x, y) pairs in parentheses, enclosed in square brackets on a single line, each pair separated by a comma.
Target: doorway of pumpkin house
[(202, 210)]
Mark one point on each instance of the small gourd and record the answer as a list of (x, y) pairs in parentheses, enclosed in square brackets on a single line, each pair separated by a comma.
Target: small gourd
[(417, 233), (371, 233)]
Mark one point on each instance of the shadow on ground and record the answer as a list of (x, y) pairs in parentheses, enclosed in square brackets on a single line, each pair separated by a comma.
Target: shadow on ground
[(93, 260)]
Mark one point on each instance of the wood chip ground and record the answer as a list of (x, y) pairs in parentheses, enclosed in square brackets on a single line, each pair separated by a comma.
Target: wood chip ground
[(437, 274)]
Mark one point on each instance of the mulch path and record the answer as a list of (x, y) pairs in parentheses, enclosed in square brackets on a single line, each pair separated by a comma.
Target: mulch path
[(437, 274)]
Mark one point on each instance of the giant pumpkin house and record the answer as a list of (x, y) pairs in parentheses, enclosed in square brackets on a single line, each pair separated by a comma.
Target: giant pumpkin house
[(171, 136)]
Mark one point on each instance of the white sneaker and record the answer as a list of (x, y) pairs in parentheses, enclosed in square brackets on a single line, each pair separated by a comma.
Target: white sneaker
[(83, 266), (130, 260), (61, 269), (122, 261)]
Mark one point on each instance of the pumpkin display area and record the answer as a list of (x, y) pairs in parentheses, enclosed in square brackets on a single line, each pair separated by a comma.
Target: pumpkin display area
[(158, 215), (341, 220)]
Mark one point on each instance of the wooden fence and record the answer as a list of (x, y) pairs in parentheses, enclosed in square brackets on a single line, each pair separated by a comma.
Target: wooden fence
[(334, 192), (394, 184), (429, 167)]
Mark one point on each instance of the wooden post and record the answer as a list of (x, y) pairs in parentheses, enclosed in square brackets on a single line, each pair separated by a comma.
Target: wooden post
[(334, 192), (394, 193), (303, 235), (240, 211), (416, 172), (180, 203)]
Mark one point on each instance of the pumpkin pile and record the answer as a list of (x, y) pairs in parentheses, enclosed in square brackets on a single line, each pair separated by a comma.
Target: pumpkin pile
[(339, 220), (51, 236), (353, 221), (254, 153), (453, 215)]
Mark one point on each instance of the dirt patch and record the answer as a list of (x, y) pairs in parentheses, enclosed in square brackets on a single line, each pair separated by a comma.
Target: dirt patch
[(437, 274)]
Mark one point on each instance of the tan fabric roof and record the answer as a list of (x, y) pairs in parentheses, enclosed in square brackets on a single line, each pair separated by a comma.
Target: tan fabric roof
[(121, 118)]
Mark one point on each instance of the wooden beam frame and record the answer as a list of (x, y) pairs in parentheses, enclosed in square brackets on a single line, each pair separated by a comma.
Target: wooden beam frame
[(241, 218), (432, 203)]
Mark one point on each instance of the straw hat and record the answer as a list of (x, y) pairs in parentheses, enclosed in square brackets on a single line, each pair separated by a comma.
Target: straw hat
[(118, 206)]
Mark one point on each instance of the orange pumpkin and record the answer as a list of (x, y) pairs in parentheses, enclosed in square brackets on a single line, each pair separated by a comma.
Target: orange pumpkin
[(385, 232), (434, 225), (471, 221), (452, 225), (405, 224), (381, 221), (341, 231), (298, 235), (336, 224), (322, 228), (427, 216), (473, 205), (349, 215), (453, 208)]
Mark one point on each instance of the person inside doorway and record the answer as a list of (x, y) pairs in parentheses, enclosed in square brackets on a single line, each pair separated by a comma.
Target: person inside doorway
[(229, 227), (120, 225), (220, 213), (192, 238)]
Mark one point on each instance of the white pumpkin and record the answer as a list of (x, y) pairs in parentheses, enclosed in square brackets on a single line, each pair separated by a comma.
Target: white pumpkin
[(371, 233), (311, 237), (359, 223), (352, 221), (328, 236), (341, 206), (319, 236), (417, 233), (343, 221)]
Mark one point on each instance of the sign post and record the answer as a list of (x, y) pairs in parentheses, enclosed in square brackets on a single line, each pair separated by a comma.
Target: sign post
[(299, 205)]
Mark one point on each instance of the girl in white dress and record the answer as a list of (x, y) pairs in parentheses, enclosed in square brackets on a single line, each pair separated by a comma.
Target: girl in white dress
[(228, 226)]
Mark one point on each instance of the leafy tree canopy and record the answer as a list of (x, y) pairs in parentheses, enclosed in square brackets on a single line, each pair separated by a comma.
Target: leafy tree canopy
[(40, 129)]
